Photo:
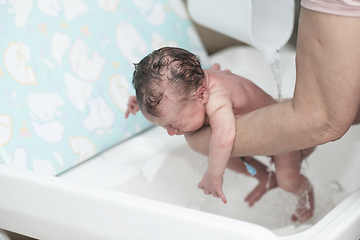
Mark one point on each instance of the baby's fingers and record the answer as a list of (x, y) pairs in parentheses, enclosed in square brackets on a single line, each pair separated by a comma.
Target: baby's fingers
[(221, 195), (127, 113)]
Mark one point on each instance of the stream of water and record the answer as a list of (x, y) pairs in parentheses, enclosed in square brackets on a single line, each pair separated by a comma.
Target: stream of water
[(272, 57)]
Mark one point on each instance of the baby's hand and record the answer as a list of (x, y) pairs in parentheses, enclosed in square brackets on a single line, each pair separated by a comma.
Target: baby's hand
[(212, 185), (133, 106), (215, 66)]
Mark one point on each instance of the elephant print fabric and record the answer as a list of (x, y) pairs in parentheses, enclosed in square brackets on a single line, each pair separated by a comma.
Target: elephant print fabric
[(65, 74)]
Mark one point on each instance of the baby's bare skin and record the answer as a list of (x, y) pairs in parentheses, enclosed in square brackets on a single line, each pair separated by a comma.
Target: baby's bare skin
[(261, 175), (221, 97)]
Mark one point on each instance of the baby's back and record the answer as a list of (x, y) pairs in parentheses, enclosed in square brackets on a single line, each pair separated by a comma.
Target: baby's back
[(244, 94)]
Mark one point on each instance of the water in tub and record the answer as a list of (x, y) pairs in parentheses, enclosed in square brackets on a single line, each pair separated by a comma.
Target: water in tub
[(176, 180)]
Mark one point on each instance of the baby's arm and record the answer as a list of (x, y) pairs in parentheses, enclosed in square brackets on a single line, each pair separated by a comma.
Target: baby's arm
[(222, 122), (133, 106)]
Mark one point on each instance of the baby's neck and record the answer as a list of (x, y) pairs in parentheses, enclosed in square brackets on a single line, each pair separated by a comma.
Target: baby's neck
[(207, 120)]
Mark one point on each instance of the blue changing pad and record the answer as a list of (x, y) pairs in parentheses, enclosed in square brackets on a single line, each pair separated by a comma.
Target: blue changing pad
[(65, 74)]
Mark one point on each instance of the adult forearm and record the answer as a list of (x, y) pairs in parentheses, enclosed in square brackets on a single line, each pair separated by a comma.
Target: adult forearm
[(269, 131), (277, 129)]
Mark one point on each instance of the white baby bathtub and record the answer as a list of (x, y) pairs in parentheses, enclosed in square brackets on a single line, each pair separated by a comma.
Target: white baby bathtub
[(146, 188)]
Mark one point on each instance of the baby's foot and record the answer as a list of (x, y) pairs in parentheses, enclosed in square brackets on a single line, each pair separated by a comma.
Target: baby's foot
[(260, 190), (305, 206)]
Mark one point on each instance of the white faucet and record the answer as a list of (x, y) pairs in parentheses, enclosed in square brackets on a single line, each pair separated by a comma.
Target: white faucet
[(264, 24)]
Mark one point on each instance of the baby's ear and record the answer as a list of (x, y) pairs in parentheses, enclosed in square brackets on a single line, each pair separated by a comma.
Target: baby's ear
[(202, 93)]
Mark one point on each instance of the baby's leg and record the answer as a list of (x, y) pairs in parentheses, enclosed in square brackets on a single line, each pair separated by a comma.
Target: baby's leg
[(288, 176), (237, 165)]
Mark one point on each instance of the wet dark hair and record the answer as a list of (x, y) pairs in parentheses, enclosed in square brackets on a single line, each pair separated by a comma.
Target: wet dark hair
[(175, 67)]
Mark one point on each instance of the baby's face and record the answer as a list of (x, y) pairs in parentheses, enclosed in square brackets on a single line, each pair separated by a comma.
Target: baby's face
[(179, 118)]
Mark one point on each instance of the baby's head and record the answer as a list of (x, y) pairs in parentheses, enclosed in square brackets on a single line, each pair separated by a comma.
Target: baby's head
[(167, 83), (167, 68)]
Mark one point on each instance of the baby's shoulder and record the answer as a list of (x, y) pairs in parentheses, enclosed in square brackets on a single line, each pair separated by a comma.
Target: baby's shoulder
[(227, 83)]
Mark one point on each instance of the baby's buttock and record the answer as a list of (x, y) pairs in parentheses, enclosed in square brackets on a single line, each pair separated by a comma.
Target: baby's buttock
[(349, 8)]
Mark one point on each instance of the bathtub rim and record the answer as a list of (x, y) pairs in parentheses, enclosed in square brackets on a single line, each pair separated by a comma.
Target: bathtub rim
[(33, 216)]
